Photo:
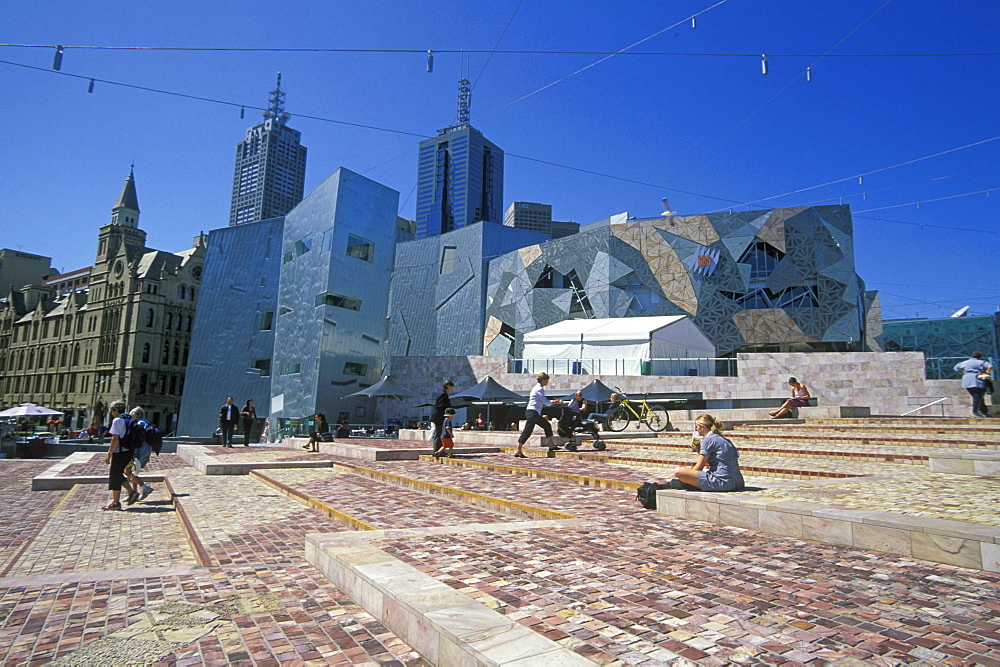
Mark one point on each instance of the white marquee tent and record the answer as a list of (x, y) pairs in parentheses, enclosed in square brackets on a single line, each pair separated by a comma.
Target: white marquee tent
[(595, 343)]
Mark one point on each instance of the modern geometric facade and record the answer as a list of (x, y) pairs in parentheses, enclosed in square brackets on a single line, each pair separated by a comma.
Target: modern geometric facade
[(298, 307), (945, 341), (337, 253), (270, 172), (232, 343), (123, 334), (770, 280), (437, 298), (459, 177)]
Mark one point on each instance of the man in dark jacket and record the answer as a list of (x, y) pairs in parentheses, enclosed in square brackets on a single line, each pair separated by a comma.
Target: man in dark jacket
[(442, 403), (229, 416)]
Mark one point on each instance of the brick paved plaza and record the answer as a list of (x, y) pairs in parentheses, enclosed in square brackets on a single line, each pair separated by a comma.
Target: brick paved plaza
[(858, 542)]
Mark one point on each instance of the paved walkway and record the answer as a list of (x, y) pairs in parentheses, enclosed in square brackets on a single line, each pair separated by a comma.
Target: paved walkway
[(220, 576)]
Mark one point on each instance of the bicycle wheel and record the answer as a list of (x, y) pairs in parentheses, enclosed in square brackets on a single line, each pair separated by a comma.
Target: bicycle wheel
[(618, 419), (656, 418)]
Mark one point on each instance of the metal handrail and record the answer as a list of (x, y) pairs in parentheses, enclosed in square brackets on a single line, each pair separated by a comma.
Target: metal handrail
[(940, 400)]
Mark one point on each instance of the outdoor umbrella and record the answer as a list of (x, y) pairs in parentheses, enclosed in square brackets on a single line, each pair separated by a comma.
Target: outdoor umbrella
[(28, 410), (386, 388), (489, 390), (596, 391)]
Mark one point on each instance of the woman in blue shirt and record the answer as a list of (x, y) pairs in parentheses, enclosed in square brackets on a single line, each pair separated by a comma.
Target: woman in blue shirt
[(972, 371), (718, 467)]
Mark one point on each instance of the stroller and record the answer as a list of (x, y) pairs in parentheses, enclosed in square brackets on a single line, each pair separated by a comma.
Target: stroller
[(572, 422)]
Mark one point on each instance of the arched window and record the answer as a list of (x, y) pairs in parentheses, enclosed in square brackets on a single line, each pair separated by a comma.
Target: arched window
[(182, 292), (191, 294), (63, 357), (166, 354), (76, 354), (149, 317), (177, 354), (185, 360), (189, 324), (170, 320), (145, 353)]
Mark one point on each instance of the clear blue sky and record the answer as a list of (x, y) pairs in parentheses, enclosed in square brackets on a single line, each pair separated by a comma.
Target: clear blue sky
[(709, 132)]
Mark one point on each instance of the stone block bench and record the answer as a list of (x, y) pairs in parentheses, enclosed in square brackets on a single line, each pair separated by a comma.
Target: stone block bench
[(973, 546)]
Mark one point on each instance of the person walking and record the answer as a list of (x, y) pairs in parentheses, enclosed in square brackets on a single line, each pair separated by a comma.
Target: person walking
[(140, 460), (537, 402), (249, 414), (975, 372), (442, 403), (718, 467), (229, 415), (117, 457), (447, 436)]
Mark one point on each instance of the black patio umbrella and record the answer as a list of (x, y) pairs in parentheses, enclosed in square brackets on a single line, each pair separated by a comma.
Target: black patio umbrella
[(490, 391), (386, 388), (596, 391)]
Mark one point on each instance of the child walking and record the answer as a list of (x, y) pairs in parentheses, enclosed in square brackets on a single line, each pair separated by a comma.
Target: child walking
[(447, 436)]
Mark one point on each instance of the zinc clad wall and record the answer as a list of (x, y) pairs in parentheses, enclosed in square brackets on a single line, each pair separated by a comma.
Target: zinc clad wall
[(239, 286), (331, 305)]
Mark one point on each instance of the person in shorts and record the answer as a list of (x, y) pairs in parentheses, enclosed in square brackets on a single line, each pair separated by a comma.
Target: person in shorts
[(139, 462), (447, 436)]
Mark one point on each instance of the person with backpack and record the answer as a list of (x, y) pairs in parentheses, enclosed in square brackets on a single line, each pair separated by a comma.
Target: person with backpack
[(140, 458), (118, 456)]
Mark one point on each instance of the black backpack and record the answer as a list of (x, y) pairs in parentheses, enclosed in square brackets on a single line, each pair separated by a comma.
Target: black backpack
[(646, 494), (152, 435), (135, 434)]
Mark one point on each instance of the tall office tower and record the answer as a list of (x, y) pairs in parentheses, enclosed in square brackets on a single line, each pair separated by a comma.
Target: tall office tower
[(270, 173), (459, 176)]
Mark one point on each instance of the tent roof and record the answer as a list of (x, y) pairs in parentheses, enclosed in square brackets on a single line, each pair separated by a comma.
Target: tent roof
[(602, 329)]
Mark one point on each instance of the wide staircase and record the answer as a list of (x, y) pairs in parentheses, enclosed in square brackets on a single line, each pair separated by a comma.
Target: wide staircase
[(484, 558)]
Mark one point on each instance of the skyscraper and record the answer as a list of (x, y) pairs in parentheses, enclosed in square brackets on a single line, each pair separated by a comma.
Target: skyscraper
[(269, 179), (459, 176)]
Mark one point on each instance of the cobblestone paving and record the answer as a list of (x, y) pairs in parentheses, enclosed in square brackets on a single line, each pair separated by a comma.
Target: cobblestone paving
[(272, 533), (381, 505), (97, 466), (78, 536), (23, 512), (642, 588), (259, 615)]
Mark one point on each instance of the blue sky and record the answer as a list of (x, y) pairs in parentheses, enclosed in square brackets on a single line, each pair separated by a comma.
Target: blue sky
[(708, 131)]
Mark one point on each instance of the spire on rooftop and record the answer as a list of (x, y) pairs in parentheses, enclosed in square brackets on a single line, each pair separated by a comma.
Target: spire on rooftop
[(127, 198), (277, 108)]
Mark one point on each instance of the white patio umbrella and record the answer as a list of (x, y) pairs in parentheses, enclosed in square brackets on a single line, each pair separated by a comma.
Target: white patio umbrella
[(28, 410)]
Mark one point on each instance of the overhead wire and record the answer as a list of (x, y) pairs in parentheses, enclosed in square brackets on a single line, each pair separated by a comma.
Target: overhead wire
[(494, 50), (554, 52)]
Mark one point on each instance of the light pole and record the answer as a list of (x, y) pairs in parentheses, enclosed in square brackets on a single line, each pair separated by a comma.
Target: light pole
[(98, 382)]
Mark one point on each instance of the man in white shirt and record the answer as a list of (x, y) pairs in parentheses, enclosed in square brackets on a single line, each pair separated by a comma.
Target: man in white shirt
[(537, 401), (117, 457)]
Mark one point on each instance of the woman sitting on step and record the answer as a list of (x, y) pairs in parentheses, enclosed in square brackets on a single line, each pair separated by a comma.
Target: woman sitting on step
[(800, 399), (718, 467)]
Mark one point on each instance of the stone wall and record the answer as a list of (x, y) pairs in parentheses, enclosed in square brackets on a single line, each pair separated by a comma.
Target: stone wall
[(882, 381)]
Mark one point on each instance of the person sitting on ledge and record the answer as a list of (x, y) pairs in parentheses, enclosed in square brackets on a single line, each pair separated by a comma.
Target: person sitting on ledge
[(800, 399), (718, 467)]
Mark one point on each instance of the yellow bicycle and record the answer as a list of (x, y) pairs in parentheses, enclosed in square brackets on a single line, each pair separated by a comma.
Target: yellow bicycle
[(651, 414)]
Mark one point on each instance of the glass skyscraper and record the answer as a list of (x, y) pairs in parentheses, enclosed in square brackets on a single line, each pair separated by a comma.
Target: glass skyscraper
[(269, 178), (459, 177)]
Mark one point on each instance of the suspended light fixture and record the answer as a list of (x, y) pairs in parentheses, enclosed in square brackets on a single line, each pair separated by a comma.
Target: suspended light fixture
[(90, 86), (57, 59), (694, 21), (763, 64), (242, 112), (430, 60), (861, 180), (809, 74)]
